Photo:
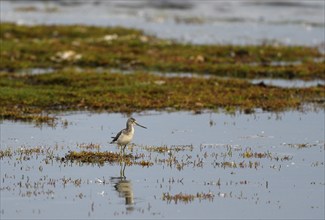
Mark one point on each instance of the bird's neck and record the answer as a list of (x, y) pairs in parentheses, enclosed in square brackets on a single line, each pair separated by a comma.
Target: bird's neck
[(130, 128)]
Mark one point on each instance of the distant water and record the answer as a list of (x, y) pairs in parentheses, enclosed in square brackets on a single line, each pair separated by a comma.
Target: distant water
[(199, 22)]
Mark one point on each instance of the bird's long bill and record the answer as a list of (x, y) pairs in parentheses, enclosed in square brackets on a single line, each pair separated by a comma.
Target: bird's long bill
[(140, 125)]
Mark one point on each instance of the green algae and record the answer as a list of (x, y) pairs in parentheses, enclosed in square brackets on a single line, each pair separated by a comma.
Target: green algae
[(101, 158), (186, 198), (94, 157), (25, 153), (60, 46), (35, 97), (166, 149)]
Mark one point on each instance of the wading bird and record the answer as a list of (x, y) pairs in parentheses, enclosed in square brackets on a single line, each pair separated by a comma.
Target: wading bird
[(124, 137)]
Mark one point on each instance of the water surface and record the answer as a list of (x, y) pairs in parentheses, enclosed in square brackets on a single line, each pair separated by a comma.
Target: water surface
[(286, 180), (199, 22)]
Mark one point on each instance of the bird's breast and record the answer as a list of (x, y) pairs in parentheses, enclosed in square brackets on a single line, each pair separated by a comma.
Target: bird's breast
[(125, 137)]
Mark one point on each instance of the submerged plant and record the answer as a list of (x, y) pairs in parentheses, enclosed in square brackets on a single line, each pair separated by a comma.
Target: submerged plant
[(94, 157), (186, 198)]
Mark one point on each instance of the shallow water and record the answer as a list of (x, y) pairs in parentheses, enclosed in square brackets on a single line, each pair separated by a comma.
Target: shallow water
[(284, 83), (285, 181), (199, 22)]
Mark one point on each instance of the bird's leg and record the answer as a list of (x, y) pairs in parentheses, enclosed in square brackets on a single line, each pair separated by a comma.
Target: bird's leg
[(121, 170), (124, 170), (121, 150), (124, 149)]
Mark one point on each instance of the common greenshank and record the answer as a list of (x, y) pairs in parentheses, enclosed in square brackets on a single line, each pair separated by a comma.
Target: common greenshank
[(124, 137)]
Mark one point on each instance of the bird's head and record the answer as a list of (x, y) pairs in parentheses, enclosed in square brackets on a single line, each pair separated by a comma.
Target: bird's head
[(132, 121)]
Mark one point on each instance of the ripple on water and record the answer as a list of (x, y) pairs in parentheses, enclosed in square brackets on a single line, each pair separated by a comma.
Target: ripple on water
[(270, 160)]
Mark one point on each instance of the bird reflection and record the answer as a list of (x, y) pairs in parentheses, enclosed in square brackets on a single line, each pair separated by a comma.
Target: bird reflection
[(124, 187)]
